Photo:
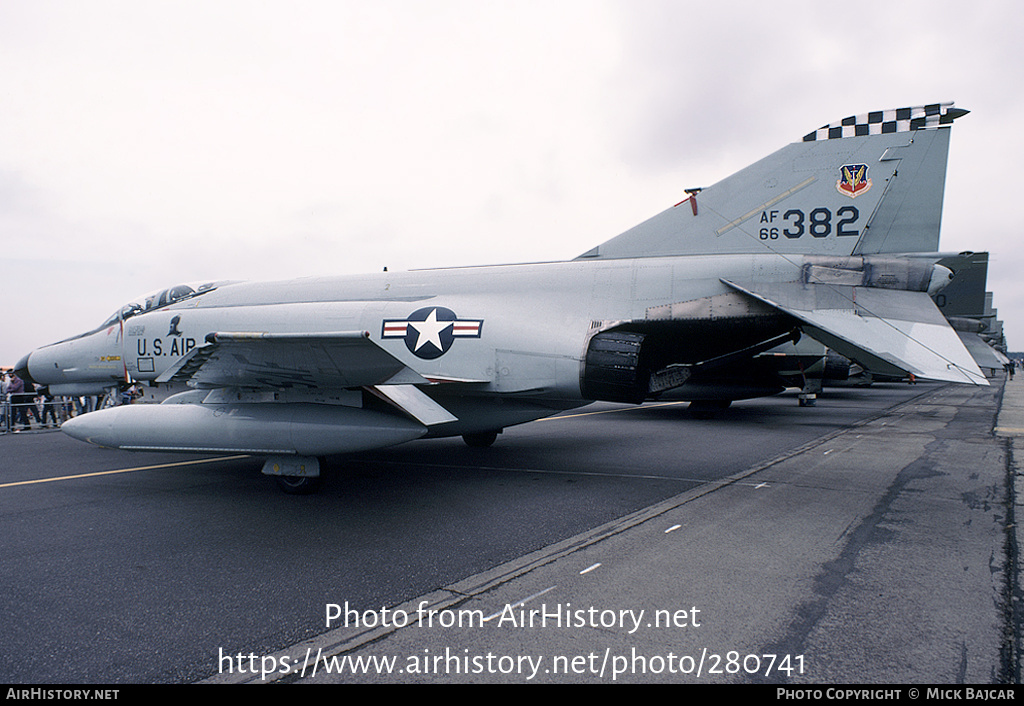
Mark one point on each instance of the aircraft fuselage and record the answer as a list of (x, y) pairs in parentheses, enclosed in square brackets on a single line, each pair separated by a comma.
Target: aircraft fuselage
[(516, 328)]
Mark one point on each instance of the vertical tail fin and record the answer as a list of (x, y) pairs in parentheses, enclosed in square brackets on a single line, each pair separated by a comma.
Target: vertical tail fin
[(866, 184)]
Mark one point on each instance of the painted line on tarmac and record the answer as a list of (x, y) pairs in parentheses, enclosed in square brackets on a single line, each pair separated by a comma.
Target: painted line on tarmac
[(122, 470)]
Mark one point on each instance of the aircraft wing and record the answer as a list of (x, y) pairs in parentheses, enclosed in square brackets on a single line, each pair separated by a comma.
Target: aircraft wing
[(346, 359), (894, 332)]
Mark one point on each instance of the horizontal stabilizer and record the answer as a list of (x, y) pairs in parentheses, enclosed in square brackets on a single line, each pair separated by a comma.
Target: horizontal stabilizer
[(892, 332), (984, 355)]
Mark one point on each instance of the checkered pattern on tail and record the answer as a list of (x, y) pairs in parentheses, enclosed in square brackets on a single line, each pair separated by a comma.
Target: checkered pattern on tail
[(885, 121)]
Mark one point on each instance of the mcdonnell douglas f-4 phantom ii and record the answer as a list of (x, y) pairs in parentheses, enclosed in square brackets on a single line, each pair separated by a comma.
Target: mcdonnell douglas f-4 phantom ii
[(834, 237)]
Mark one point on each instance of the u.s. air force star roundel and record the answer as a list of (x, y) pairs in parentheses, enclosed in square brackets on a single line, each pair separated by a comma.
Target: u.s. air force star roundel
[(430, 332)]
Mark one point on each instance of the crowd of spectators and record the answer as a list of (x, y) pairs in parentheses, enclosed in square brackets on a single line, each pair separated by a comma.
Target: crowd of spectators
[(23, 406)]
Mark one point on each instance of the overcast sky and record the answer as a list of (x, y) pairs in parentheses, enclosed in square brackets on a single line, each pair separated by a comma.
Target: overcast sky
[(144, 143)]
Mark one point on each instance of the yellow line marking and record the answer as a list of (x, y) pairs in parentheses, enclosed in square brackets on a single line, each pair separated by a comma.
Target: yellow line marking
[(122, 470)]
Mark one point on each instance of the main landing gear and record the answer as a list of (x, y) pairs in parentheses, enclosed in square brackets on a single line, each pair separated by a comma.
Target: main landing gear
[(480, 440), (707, 409), (295, 475), (298, 485)]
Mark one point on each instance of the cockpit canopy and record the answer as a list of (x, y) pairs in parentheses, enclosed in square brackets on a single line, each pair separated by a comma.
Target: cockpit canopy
[(160, 299)]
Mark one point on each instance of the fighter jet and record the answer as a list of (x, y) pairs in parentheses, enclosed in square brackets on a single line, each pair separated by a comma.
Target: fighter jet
[(834, 237), (968, 308)]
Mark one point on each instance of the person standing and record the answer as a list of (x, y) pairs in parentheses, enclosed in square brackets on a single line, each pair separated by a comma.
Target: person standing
[(19, 416)]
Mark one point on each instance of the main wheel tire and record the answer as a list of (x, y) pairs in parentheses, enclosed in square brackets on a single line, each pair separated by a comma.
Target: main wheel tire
[(298, 485), (706, 409), (480, 440)]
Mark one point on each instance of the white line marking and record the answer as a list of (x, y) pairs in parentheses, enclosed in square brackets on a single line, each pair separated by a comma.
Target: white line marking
[(520, 603)]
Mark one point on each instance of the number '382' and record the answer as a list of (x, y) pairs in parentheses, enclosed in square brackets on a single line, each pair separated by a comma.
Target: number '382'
[(819, 223)]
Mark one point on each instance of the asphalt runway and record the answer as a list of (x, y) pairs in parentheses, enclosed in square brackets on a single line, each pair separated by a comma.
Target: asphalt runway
[(151, 568)]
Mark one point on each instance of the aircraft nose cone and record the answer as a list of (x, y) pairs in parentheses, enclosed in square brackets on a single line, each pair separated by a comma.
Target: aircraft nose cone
[(21, 369)]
